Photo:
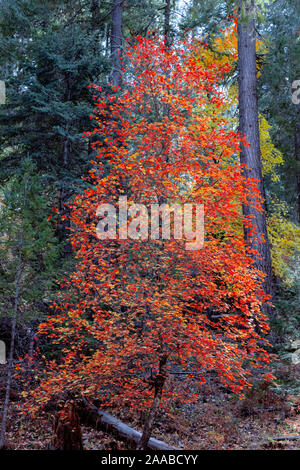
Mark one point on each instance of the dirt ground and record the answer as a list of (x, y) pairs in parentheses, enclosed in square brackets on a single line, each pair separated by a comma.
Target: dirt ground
[(264, 419)]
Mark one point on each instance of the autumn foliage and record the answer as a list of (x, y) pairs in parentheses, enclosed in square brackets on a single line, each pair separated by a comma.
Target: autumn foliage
[(131, 304)]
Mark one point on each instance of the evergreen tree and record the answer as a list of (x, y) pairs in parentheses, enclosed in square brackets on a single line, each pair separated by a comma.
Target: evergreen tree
[(281, 31), (51, 60), (28, 251)]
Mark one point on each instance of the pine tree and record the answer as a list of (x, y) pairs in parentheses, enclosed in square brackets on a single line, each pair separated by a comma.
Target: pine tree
[(250, 155), (281, 68), (53, 54)]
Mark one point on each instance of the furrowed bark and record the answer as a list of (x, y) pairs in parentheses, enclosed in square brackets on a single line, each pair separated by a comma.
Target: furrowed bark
[(116, 42), (167, 24), (249, 127), (13, 332), (297, 152)]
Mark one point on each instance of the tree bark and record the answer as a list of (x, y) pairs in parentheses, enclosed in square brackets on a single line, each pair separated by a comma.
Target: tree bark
[(158, 389), (13, 331), (67, 430), (249, 127), (116, 42), (167, 24), (297, 155)]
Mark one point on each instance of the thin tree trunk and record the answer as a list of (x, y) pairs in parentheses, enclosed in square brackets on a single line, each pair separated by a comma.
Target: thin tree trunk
[(95, 15), (249, 126), (64, 227), (158, 387), (116, 42), (13, 332), (64, 195), (167, 24), (166, 106), (297, 154), (30, 353)]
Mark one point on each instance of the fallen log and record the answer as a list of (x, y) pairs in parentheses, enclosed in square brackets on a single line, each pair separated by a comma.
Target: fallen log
[(108, 423), (282, 438)]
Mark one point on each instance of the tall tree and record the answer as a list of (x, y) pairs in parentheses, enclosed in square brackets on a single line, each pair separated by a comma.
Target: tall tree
[(135, 306), (167, 24), (281, 68), (95, 14), (250, 155), (297, 154), (53, 52), (28, 252), (116, 41), (20, 247)]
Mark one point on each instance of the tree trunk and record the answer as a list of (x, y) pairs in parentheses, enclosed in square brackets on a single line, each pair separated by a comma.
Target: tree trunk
[(158, 387), (30, 353), (116, 42), (95, 15), (297, 154), (67, 430), (249, 126), (13, 332), (167, 24)]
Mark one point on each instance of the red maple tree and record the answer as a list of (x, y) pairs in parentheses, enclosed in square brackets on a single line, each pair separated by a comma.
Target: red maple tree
[(133, 310)]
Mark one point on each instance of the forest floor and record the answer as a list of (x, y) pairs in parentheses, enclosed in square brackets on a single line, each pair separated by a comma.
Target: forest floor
[(217, 421)]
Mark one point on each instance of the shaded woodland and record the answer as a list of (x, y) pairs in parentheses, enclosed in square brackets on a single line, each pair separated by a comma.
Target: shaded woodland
[(121, 342)]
